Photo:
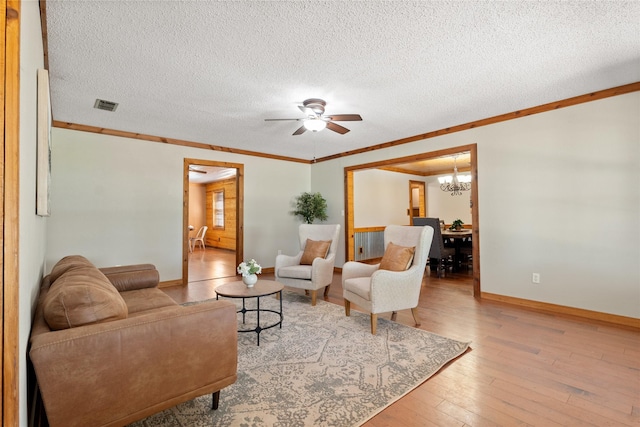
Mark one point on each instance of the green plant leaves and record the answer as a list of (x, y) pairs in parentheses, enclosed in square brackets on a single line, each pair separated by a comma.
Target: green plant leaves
[(311, 206)]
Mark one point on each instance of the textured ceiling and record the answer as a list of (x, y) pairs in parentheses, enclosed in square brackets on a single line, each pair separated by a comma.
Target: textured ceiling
[(212, 71)]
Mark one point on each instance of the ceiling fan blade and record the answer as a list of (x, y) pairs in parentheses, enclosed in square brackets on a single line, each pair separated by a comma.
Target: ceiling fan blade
[(196, 170), (337, 128), (345, 117), (277, 120), (300, 130)]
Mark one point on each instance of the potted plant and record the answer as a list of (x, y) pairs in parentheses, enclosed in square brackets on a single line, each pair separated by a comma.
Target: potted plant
[(456, 225), (311, 206)]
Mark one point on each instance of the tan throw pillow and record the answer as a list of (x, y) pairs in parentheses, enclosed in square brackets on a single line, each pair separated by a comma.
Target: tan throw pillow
[(397, 258), (314, 249)]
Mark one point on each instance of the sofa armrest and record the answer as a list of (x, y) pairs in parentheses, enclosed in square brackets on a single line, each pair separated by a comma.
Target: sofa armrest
[(117, 372), (131, 277)]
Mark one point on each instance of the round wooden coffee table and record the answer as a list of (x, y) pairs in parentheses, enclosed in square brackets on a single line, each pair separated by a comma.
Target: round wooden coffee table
[(262, 288)]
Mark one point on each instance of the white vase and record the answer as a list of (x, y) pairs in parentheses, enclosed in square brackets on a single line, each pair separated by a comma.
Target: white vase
[(250, 280)]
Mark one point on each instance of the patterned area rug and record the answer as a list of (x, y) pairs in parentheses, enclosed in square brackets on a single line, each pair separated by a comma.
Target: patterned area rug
[(321, 369)]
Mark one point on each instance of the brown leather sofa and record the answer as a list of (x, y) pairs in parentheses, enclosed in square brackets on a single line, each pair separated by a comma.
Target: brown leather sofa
[(109, 348)]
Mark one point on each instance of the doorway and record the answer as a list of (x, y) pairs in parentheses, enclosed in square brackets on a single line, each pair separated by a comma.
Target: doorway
[(213, 207), (417, 199), (392, 164)]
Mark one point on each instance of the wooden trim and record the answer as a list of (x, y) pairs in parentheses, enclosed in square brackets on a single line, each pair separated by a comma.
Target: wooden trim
[(475, 221), (418, 173), (564, 310), (368, 229), (349, 230), (239, 167), (412, 158), (593, 96), (11, 359), (169, 283), (172, 141)]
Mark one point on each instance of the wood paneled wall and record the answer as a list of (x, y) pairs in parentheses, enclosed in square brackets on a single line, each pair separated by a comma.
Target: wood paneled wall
[(223, 238)]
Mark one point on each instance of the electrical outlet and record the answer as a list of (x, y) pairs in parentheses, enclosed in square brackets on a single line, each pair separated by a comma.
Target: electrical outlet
[(535, 278)]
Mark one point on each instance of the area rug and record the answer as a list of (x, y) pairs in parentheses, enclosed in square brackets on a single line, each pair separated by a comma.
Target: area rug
[(321, 369)]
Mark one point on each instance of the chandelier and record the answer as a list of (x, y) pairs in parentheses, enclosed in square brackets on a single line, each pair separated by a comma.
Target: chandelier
[(455, 187)]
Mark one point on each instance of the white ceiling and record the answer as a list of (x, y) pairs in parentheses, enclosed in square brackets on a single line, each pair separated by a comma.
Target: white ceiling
[(212, 71), (201, 174)]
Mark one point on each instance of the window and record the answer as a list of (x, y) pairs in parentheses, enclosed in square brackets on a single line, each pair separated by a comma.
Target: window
[(218, 209)]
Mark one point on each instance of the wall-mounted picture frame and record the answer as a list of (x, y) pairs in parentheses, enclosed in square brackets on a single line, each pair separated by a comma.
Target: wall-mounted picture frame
[(43, 167)]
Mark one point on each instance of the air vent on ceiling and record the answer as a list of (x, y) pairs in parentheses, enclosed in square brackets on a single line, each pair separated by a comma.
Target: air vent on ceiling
[(101, 104)]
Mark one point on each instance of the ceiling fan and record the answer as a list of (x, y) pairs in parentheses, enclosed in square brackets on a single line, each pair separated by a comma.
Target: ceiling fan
[(193, 169), (316, 119)]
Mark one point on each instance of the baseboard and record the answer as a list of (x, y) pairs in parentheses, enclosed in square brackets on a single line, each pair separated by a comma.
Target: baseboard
[(565, 310), (168, 283)]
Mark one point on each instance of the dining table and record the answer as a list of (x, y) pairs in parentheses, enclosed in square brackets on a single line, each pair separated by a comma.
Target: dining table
[(458, 237)]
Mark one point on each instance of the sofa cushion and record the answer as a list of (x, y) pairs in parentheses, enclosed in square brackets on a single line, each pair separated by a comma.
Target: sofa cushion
[(80, 296), (314, 249), (397, 258), (142, 300)]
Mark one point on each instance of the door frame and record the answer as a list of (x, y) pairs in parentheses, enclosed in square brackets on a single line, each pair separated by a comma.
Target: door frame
[(349, 197), (239, 167), (10, 204)]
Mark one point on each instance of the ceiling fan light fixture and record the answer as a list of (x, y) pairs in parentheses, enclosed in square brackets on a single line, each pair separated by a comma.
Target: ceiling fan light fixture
[(315, 125)]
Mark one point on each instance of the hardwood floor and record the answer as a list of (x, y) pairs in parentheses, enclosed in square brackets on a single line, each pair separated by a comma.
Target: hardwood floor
[(524, 367), (208, 263)]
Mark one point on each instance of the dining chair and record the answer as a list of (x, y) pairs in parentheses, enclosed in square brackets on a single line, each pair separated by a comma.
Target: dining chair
[(199, 238), (439, 254)]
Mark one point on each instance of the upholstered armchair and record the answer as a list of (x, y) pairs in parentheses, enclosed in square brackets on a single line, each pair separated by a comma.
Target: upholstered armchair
[(312, 268), (395, 283)]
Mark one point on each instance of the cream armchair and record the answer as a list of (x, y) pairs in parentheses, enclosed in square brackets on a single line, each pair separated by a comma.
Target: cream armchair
[(379, 290), (314, 272)]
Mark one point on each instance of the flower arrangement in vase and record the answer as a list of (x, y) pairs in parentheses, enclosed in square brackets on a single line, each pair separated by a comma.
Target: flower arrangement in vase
[(249, 271)]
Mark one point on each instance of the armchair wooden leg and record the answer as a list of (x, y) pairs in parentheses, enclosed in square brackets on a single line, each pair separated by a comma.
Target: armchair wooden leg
[(314, 295), (374, 323), (326, 290), (414, 311), (215, 399), (347, 307), (394, 315)]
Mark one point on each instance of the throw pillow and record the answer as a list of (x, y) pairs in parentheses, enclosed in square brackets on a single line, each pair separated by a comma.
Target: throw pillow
[(314, 249), (68, 263), (81, 296), (397, 258)]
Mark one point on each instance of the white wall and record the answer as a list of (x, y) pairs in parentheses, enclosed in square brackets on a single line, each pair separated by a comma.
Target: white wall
[(559, 195), (119, 201), (32, 227), (381, 197)]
